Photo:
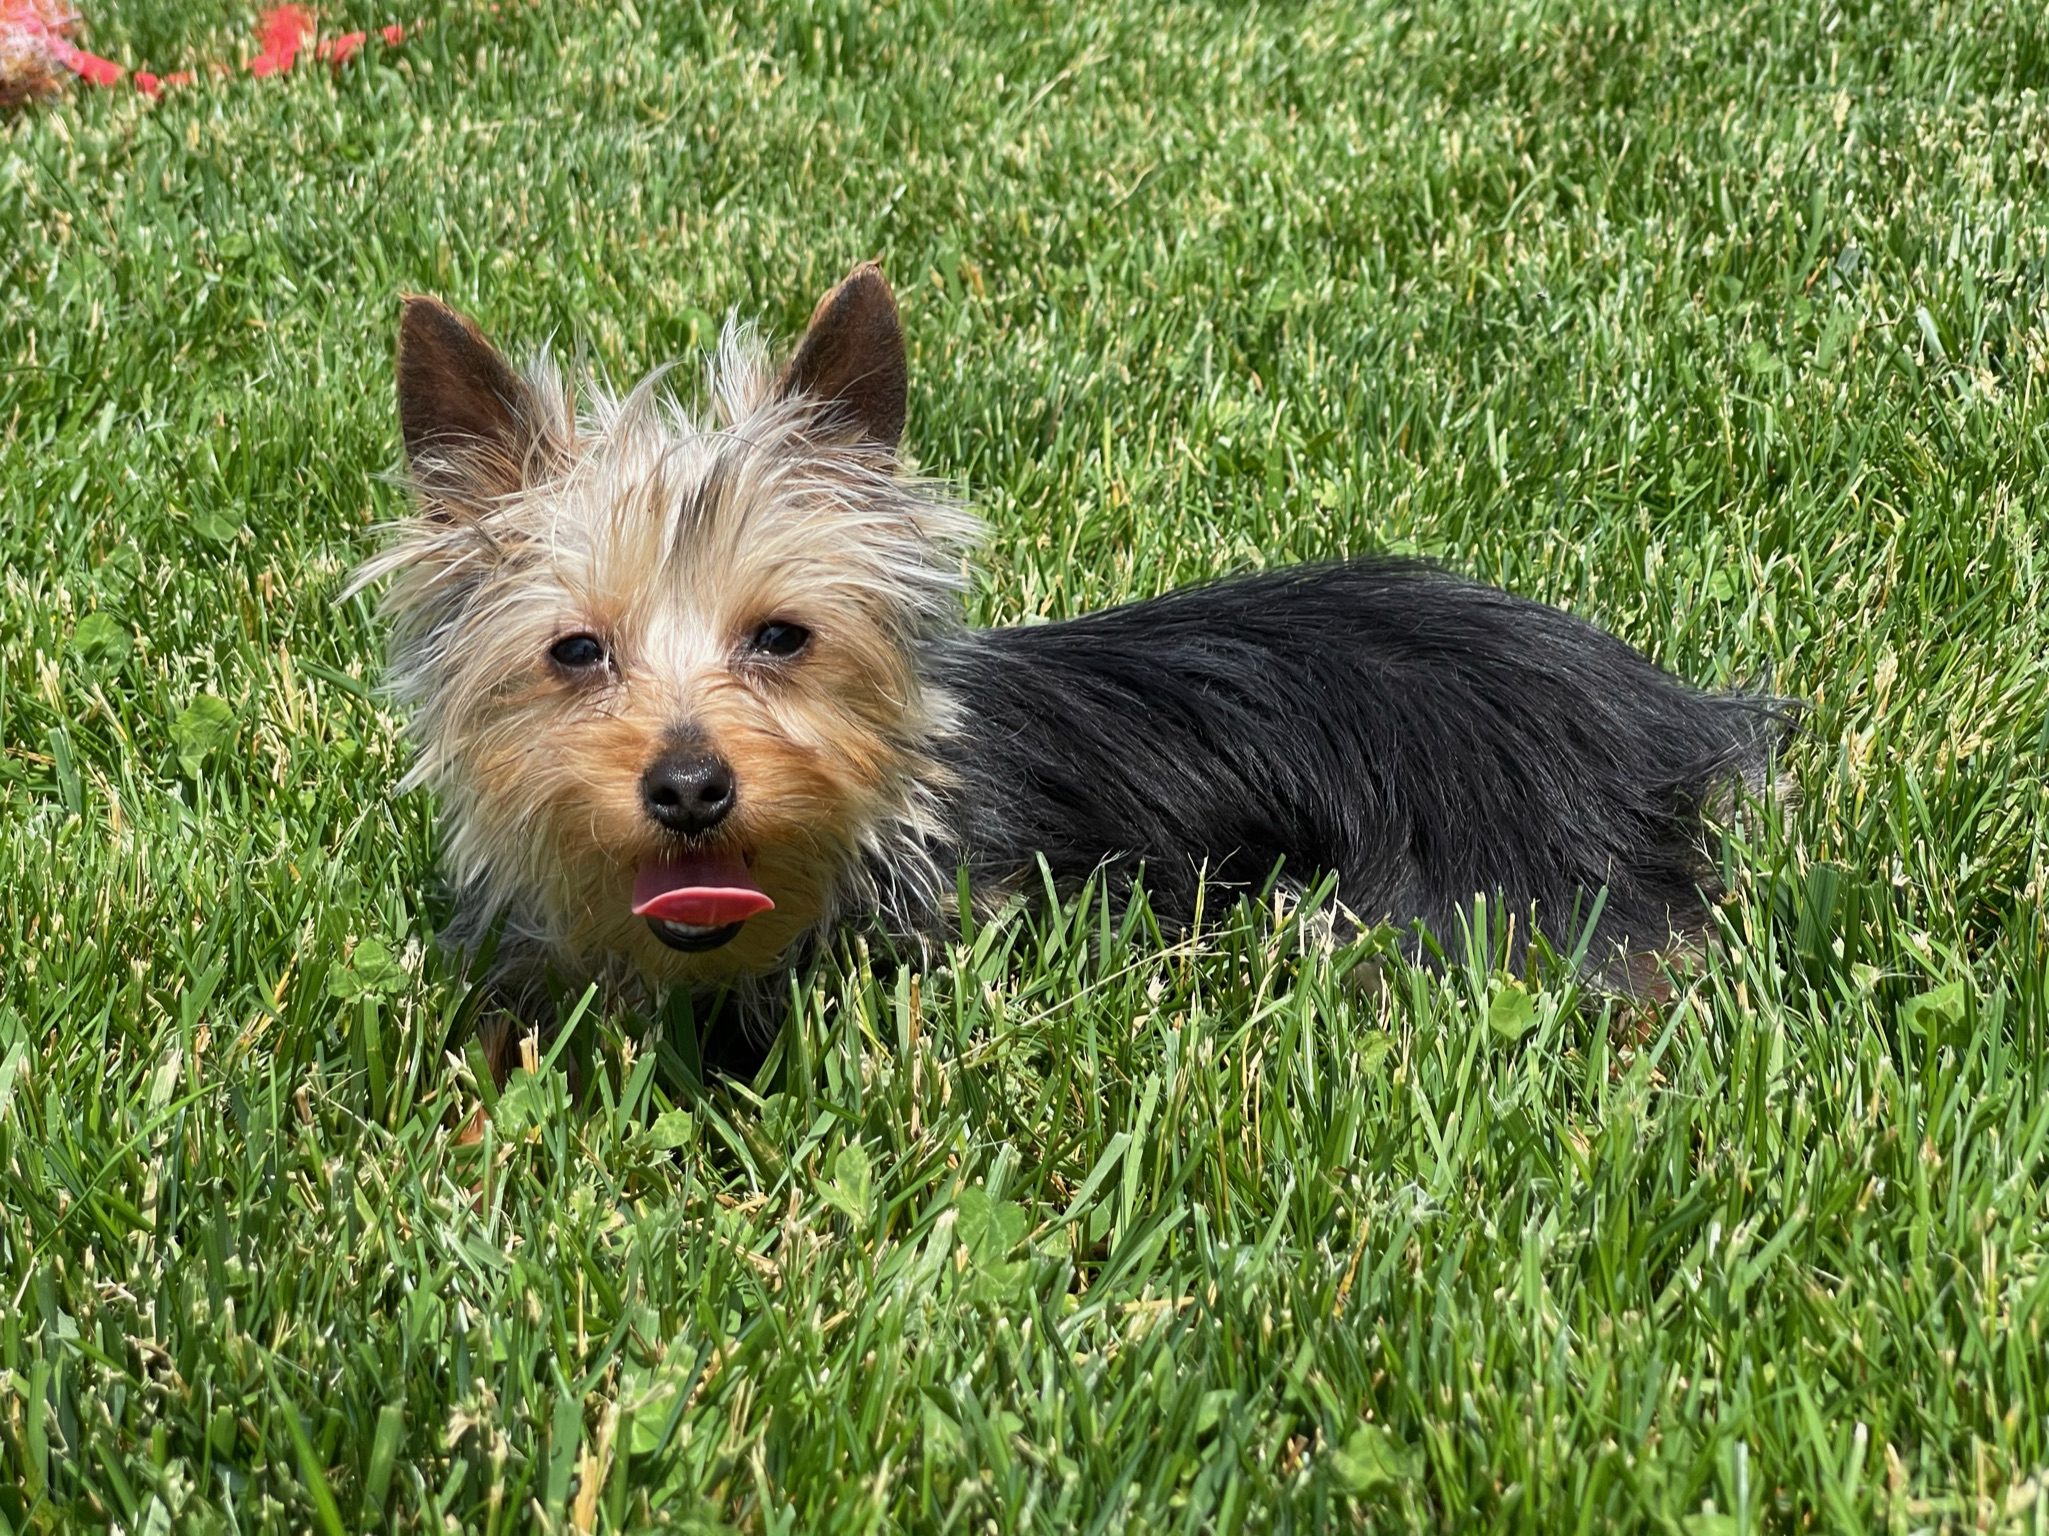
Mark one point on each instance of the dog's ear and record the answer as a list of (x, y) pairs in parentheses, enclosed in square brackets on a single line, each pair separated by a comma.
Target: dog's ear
[(852, 354), (473, 430)]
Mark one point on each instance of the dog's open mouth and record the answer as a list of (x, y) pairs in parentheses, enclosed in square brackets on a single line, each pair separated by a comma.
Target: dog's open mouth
[(697, 901), (691, 938)]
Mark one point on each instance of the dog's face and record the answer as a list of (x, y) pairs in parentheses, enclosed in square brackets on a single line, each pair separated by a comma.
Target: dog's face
[(664, 671)]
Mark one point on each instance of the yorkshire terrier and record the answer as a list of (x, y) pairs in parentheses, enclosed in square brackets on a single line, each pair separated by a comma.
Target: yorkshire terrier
[(695, 692)]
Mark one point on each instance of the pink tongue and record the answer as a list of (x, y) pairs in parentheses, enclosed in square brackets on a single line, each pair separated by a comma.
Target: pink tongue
[(704, 890)]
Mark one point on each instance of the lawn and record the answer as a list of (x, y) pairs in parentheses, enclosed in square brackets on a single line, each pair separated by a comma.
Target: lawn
[(1723, 325)]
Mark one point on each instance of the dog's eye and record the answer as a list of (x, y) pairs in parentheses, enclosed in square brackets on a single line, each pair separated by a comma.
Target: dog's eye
[(578, 652), (779, 639)]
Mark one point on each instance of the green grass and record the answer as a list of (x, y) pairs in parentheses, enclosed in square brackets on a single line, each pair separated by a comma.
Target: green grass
[(1722, 324)]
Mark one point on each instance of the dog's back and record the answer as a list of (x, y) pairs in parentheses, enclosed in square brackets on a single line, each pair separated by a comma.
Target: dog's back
[(1424, 738)]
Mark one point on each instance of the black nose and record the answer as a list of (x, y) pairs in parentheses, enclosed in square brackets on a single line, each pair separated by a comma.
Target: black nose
[(688, 792)]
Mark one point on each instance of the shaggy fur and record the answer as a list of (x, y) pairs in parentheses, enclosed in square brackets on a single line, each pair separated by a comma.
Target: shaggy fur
[(1422, 738), (1426, 739)]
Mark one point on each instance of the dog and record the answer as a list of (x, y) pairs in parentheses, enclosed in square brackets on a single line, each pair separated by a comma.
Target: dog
[(695, 693)]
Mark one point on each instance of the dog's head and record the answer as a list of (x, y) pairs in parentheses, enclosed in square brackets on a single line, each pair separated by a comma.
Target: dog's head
[(662, 666)]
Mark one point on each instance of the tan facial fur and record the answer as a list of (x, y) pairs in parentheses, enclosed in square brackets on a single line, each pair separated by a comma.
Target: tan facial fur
[(671, 537)]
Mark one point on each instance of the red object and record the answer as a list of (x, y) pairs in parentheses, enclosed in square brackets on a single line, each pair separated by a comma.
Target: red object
[(89, 67), (339, 50), (281, 32)]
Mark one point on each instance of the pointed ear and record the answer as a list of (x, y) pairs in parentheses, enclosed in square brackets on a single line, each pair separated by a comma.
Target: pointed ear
[(852, 354), (471, 425)]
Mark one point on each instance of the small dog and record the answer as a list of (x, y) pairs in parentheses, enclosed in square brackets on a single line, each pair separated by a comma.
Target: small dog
[(695, 691)]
